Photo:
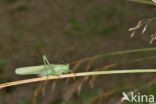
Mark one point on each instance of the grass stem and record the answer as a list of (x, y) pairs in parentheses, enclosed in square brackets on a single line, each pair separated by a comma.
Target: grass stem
[(76, 75)]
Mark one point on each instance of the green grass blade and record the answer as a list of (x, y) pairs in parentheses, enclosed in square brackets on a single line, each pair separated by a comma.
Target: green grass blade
[(127, 62), (144, 2), (126, 52)]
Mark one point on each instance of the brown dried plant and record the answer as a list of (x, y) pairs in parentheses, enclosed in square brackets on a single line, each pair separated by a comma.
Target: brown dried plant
[(143, 24), (77, 85)]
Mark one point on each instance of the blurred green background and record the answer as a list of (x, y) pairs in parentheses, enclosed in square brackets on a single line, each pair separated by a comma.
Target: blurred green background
[(70, 30)]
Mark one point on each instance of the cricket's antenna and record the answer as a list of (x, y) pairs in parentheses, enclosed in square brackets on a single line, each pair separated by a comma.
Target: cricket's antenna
[(67, 59), (59, 60)]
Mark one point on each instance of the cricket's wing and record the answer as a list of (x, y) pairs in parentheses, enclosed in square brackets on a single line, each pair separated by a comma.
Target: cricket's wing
[(30, 70)]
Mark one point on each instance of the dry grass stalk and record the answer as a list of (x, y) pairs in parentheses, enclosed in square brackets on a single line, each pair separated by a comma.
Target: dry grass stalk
[(76, 75)]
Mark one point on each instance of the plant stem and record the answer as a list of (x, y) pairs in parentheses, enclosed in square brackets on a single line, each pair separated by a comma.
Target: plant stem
[(76, 75)]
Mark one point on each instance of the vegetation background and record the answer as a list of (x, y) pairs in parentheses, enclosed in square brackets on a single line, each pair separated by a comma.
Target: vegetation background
[(74, 30)]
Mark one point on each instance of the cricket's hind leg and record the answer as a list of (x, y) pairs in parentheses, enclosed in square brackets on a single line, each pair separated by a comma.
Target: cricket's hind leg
[(46, 68), (46, 64)]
